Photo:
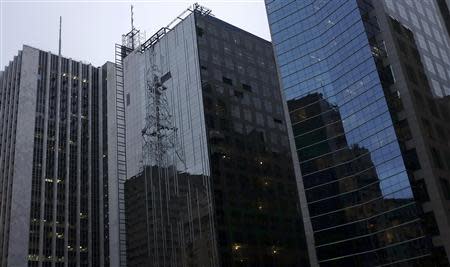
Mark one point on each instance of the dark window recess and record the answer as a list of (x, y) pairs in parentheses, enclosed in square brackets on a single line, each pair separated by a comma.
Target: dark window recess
[(430, 224), (433, 108), (397, 26), (221, 108), (439, 256), (441, 133), (416, 55), (246, 87), (420, 191), (403, 131), (420, 102), (394, 101), (166, 77), (277, 120), (447, 158), (427, 128), (445, 111), (409, 34), (402, 46), (411, 74), (387, 76), (207, 87), (200, 31), (208, 103), (224, 125), (445, 187), (437, 160), (210, 124), (424, 81), (128, 99), (238, 94), (411, 160), (203, 67), (227, 80)]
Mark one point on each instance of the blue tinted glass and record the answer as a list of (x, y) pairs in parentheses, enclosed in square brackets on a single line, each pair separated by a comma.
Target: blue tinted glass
[(360, 201)]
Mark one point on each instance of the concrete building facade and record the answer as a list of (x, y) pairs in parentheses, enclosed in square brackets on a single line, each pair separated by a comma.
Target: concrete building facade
[(55, 193)]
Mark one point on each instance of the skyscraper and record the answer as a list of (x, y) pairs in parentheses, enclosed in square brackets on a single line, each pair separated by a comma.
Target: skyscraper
[(54, 162), (211, 181), (366, 90)]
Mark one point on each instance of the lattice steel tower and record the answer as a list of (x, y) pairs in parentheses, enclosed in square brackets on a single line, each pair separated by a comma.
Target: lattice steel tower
[(159, 133)]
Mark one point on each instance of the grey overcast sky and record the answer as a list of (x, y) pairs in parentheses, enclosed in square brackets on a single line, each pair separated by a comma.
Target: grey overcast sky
[(91, 28)]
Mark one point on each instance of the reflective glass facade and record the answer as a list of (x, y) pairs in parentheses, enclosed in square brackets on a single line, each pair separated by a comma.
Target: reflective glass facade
[(361, 209), (223, 190), (168, 195), (257, 219)]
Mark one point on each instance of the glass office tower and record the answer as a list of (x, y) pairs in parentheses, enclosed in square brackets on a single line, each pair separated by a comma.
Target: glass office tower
[(211, 181), (349, 106)]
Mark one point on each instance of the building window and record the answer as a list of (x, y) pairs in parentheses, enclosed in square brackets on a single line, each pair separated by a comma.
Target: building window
[(206, 87), (440, 256), (420, 191), (436, 158), (403, 131), (227, 80), (411, 160), (445, 187), (433, 108), (246, 87), (430, 224), (424, 80), (441, 133), (277, 121), (447, 158), (411, 74), (427, 128), (419, 100), (238, 94), (200, 31), (397, 26)]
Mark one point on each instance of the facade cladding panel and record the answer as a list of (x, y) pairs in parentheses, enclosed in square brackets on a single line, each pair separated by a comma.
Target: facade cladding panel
[(51, 209), (225, 193), (345, 107)]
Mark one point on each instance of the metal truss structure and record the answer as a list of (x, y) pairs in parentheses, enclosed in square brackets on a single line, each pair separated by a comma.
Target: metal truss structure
[(159, 133)]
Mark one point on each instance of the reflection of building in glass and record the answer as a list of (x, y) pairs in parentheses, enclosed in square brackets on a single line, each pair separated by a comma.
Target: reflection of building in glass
[(224, 192), (369, 126), (343, 189), (167, 233), (55, 195)]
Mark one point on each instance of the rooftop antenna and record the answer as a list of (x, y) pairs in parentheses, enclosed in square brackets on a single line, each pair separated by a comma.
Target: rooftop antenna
[(132, 15), (60, 22), (132, 28)]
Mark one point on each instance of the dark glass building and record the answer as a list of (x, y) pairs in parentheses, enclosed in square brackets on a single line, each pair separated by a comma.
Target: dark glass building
[(211, 176), (54, 193), (364, 115)]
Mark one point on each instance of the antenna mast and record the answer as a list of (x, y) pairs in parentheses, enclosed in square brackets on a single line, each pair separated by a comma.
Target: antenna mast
[(132, 15), (60, 23), (132, 28)]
